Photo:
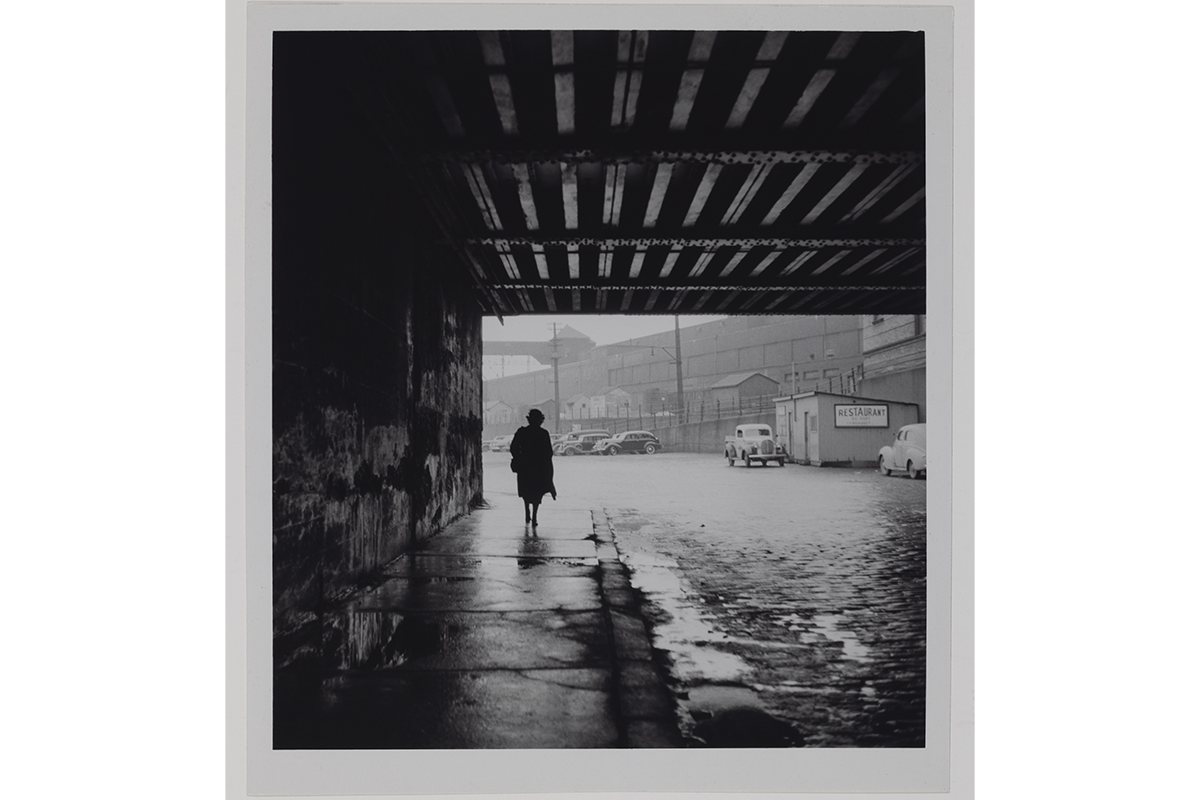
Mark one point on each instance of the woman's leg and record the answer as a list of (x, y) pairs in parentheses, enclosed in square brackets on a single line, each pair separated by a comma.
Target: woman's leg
[(535, 508), (526, 511)]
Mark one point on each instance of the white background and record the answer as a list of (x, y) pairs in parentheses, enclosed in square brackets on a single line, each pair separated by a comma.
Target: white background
[(112, 254)]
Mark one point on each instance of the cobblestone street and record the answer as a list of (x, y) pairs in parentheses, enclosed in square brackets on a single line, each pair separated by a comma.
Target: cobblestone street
[(798, 590)]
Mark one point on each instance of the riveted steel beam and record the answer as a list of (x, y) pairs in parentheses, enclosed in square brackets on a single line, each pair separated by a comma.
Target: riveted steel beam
[(575, 243), (605, 156), (699, 287)]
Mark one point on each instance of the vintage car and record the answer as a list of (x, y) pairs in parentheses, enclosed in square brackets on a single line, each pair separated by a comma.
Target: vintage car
[(575, 436), (906, 453), (579, 445), (501, 444), (754, 444), (630, 442)]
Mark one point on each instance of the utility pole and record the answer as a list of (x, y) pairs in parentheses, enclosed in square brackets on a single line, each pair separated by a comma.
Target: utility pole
[(678, 368), (554, 360)]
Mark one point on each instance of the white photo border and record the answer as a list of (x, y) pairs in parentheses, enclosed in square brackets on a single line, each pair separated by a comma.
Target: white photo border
[(944, 765)]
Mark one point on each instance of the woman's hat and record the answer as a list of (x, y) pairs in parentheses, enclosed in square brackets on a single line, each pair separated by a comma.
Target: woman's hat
[(535, 414)]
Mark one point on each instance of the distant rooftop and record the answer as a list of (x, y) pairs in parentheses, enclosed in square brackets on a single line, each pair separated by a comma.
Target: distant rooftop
[(567, 332), (738, 379)]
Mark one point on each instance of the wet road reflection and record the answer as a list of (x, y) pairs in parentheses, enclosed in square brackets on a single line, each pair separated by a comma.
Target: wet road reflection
[(805, 585)]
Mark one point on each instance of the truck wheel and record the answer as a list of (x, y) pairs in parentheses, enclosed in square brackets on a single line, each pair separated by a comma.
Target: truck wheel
[(779, 461), (650, 448), (729, 458), (913, 472), (746, 458), (882, 469), (612, 451)]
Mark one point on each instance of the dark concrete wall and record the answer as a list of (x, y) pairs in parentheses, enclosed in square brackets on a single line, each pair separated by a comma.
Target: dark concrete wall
[(707, 436), (377, 351)]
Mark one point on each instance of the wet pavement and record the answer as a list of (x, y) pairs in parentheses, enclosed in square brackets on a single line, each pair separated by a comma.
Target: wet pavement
[(799, 591), (490, 635), (665, 601)]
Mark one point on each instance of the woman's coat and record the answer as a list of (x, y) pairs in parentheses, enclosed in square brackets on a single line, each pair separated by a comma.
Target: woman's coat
[(534, 459)]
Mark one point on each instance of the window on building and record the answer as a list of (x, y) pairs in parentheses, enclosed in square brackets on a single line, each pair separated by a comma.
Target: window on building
[(812, 375)]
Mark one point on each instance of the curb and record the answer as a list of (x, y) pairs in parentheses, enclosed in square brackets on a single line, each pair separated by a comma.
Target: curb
[(645, 706)]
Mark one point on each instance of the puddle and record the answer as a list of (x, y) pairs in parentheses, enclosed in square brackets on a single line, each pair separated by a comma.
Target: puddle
[(525, 562), (792, 689), (681, 630), (824, 624), (719, 698)]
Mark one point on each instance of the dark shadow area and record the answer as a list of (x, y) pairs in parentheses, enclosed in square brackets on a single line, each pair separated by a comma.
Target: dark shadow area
[(10, 536)]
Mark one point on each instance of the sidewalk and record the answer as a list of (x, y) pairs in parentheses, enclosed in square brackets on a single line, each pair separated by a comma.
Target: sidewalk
[(487, 636)]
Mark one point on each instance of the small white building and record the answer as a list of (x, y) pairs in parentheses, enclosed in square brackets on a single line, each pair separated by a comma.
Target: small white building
[(577, 406), (613, 402), (822, 429), (497, 412)]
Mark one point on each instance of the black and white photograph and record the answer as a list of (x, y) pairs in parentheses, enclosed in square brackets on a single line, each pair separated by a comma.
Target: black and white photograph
[(597, 400), (598, 391)]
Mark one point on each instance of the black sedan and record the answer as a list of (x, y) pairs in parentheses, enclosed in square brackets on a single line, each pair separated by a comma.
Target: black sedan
[(630, 442)]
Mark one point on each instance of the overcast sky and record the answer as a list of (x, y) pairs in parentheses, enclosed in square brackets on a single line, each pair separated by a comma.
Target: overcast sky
[(602, 329)]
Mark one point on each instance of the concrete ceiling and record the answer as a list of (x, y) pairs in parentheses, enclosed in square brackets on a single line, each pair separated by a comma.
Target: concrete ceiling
[(661, 172)]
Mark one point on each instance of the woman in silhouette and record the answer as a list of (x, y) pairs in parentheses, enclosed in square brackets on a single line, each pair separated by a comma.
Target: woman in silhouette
[(532, 460)]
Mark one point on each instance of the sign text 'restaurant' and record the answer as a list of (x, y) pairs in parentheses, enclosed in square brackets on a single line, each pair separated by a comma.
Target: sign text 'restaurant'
[(860, 416)]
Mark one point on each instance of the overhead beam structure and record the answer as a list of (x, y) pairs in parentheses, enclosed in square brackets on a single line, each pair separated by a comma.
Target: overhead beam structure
[(661, 171)]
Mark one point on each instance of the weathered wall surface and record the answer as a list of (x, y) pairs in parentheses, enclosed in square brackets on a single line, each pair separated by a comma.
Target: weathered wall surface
[(908, 386), (377, 354), (446, 387), (858, 447)]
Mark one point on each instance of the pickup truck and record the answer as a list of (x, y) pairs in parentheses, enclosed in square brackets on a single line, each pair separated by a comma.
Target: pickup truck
[(753, 443)]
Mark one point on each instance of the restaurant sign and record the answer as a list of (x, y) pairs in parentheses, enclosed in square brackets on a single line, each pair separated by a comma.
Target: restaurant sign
[(860, 416)]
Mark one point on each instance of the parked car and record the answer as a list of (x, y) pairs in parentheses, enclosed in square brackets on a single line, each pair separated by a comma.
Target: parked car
[(906, 453), (754, 444), (581, 445), (501, 444), (630, 442), (576, 436)]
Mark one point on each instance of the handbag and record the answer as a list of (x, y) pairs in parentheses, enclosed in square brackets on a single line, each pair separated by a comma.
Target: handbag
[(513, 465)]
